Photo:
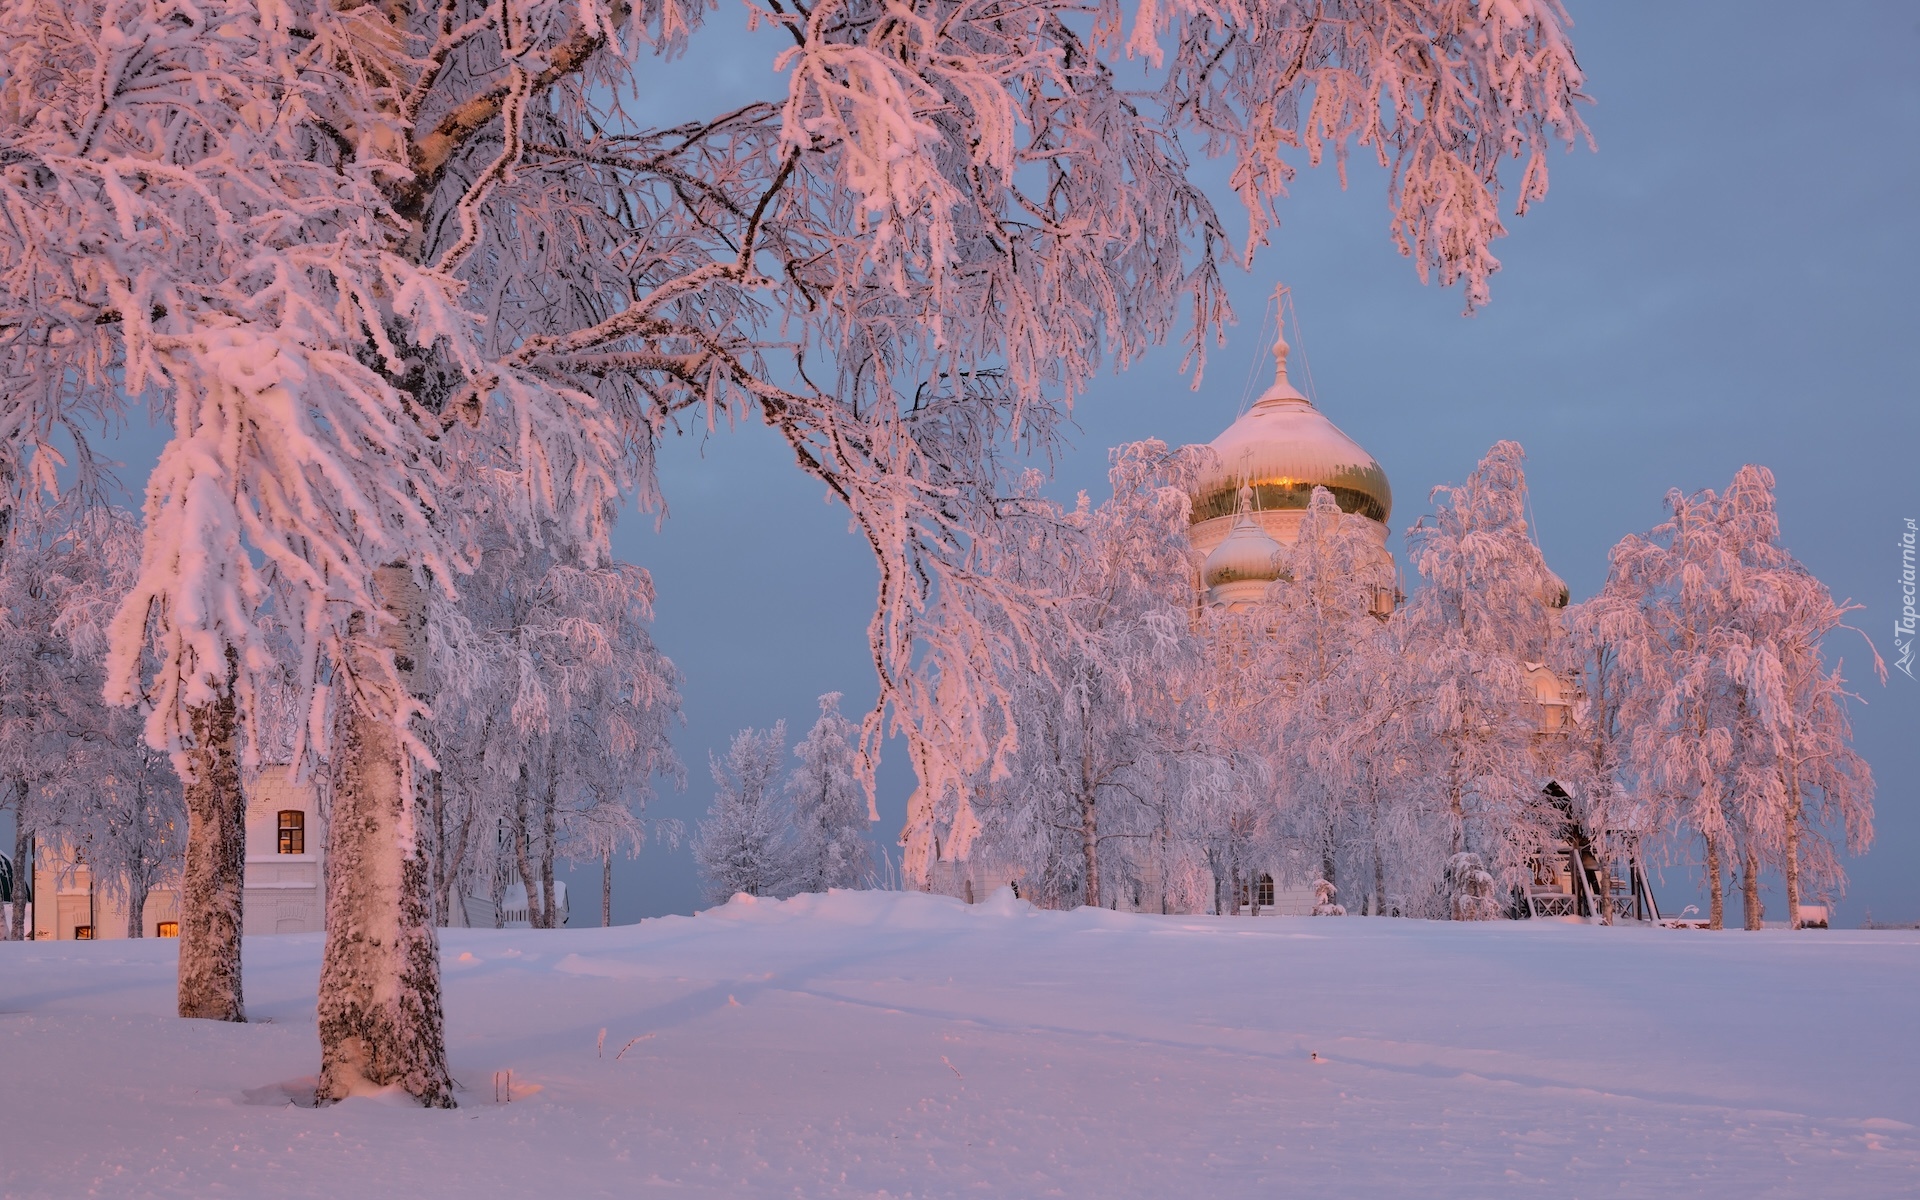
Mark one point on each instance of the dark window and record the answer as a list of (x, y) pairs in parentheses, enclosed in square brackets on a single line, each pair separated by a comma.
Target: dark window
[(167, 929), (1263, 895), (293, 831)]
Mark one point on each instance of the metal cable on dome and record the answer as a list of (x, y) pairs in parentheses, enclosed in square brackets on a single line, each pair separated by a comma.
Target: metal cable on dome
[(1246, 392), (1313, 393)]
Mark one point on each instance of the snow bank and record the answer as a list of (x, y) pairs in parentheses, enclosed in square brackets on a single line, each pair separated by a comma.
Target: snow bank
[(879, 1044)]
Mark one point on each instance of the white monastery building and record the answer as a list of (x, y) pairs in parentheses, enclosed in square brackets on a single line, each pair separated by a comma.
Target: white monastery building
[(285, 890), (285, 878)]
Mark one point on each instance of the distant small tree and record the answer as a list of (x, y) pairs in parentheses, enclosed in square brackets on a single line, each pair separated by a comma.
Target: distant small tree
[(1471, 888), (746, 842), (830, 806)]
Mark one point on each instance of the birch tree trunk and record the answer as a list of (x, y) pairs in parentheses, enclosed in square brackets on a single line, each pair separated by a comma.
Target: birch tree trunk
[(454, 861), (22, 862), (1090, 850), (1379, 882), (213, 880), (549, 811), (1716, 893), (522, 860), (606, 889), (380, 1014), (137, 889), (1750, 886), (1792, 866), (441, 911)]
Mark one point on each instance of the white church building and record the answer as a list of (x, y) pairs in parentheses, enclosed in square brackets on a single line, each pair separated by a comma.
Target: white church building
[(285, 878)]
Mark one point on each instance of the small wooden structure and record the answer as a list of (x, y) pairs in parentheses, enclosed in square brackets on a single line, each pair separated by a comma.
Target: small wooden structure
[(1593, 875)]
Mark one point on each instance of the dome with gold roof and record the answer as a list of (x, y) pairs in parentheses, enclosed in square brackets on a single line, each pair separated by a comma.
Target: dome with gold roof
[(1239, 569), (1283, 447)]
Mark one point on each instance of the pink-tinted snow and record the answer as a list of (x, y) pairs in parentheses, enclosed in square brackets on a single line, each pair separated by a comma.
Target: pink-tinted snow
[(880, 1044)]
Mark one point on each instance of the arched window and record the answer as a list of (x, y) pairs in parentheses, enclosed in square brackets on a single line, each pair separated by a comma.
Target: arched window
[(1263, 892), (293, 831)]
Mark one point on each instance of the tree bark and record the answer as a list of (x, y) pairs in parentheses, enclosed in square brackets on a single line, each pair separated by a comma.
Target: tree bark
[(442, 908), (1792, 865), (380, 1015), (606, 889), (522, 860), (1750, 886), (549, 813), (451, 882), (1090, 849), (213, 880), (22, 862), (1379, 882), (136, 912), (1716, 893)]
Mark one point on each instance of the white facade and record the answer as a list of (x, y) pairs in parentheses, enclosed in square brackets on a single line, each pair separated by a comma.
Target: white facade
[(285, 890), (286, 887)]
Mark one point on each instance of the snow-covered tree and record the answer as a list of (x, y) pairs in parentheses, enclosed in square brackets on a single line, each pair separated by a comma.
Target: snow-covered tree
[(551, 722), (1110, 754), (1824, 784), (831, 809), (352, 248), (746, 843), (1319, 618), (81, 775), (1486, 607), (1718, 632)]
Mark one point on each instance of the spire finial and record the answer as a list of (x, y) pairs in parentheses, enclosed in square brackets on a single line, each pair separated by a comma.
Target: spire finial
[(1280, 346), (1282, 388)]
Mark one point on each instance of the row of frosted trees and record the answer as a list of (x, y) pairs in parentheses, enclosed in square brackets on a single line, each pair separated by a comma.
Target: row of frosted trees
[(764, 837), (551, 722), (1170, 751)]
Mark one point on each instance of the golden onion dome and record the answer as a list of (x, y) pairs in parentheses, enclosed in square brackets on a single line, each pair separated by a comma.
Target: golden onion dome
[(1248, 554), (1284, 447)]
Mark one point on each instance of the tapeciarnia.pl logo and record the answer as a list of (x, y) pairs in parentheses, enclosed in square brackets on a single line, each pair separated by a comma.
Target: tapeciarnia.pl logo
[(1903, 625)]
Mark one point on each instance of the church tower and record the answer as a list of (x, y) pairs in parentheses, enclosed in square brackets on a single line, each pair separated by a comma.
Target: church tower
[(1247, 511)]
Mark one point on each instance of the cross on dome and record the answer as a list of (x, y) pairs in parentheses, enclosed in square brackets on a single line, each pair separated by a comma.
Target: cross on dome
[(1282, 390)]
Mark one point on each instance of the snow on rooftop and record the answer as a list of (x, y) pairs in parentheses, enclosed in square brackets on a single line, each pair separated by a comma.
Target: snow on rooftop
[(869, 1044)]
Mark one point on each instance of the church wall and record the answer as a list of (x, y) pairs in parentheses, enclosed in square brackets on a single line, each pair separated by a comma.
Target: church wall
[(285, 892)]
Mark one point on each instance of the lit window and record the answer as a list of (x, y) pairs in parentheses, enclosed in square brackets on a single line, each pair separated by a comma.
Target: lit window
[(1263, 895), (83, 933), (293, 831), (167, 929)]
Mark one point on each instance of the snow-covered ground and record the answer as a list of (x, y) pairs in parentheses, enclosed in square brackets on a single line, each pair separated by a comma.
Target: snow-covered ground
[(879, 1044)]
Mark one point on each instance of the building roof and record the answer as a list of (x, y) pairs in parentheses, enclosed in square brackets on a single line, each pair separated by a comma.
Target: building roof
[(1285, 447), (1248, 553)]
